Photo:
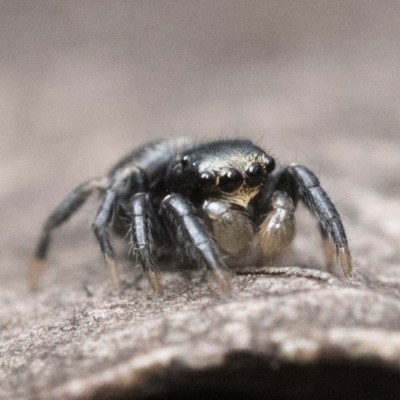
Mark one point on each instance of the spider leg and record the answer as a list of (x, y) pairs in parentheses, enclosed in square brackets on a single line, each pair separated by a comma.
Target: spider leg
[(301, 183), (328, 249), (61, 214), (278, 229), (142, 239), (189, 231), (106, 212), (100, 228)]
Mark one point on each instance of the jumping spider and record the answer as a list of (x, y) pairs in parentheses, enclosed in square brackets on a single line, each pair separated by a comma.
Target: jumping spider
[(211, 203)]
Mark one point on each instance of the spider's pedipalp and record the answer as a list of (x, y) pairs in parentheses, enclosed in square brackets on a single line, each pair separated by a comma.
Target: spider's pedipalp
[(232, 229), (302, 184), (278, 229), (61, 214)]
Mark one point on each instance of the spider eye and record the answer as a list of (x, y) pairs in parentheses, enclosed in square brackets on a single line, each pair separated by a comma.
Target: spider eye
[(255, 174), (185, 161), (230, 180), (207, 179), (270, 162)]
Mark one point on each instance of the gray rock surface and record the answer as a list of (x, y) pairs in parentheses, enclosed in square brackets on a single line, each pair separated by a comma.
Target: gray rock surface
[(82, 83)]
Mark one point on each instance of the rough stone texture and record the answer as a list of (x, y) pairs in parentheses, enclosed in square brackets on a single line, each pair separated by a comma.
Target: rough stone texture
[(82, 82)]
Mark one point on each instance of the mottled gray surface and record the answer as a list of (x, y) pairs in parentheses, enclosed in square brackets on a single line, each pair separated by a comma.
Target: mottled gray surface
[(82, 82)]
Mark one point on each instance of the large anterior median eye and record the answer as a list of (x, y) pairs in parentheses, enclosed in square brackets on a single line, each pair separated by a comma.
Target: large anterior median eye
[(207, 179), (230, 180)]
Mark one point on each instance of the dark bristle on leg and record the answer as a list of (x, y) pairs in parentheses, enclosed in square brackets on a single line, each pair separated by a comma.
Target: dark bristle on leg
[(302, 184), (61, 214)]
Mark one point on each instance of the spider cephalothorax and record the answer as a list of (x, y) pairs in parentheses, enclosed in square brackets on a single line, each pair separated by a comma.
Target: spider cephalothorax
[(213, 203), (233, 170)]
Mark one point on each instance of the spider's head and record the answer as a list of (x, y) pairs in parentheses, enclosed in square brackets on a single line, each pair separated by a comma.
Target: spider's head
[(233, 170)]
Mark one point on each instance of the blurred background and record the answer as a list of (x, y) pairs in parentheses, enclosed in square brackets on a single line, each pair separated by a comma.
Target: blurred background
[(83, 82)]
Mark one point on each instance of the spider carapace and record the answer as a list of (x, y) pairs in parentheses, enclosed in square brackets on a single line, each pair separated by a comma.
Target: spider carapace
[(211, 204)]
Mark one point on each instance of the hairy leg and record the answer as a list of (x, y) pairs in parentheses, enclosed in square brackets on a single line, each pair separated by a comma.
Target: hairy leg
[(189, 231), (126, 176), (100, 228), (142, 239), (61, 214), (301, 183)]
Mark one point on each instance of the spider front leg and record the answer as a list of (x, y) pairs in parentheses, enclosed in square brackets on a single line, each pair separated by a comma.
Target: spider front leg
[(189, 231), (301, 183), (278, 229), (142, 239), (61, 214)]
